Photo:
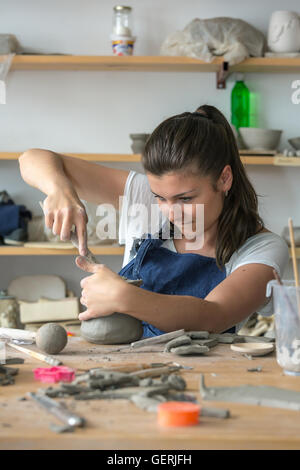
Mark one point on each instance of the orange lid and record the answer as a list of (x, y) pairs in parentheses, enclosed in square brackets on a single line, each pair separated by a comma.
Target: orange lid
[(178, 413)]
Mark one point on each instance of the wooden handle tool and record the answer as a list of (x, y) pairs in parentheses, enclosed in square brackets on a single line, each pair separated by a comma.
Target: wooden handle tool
[(36, 355)]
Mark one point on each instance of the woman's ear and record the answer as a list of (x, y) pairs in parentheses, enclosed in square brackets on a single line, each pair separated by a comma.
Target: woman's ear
[(225, 180)]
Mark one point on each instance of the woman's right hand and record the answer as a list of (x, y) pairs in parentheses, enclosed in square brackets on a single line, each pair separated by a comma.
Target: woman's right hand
[(62, 210)]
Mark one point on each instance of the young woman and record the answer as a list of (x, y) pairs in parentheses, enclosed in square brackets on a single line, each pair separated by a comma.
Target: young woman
[(191, 160)]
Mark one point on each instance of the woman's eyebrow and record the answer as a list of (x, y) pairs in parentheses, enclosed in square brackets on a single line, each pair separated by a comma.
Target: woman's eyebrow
[(176, 195)]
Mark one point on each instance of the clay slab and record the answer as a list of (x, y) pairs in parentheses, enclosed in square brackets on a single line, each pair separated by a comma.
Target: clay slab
[(255, 349)]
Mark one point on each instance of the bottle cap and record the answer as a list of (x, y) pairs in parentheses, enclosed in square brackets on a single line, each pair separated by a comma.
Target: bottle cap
[(177, 413)]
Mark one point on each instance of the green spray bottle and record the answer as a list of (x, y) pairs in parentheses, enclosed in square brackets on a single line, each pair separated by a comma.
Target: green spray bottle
[(240, 103)]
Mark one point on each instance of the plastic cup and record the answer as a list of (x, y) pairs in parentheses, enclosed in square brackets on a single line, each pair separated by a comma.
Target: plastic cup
[(286, 303), (122, 45)]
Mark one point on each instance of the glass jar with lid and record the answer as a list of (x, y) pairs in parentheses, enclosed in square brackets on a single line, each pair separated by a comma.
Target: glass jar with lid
[(122, 21), (122, 39)]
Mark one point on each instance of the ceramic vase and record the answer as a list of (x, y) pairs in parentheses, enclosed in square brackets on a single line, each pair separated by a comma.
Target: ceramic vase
[(284, 32)]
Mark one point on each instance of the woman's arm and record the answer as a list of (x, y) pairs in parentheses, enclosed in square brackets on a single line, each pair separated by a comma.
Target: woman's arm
[(233, 300), (65, 180)]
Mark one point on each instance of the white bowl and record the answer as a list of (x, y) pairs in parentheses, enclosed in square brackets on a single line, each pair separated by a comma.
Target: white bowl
[(260, 139)]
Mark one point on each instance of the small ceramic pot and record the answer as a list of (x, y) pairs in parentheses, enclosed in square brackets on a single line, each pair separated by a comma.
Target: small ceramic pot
[(284, 32), (138, 142)]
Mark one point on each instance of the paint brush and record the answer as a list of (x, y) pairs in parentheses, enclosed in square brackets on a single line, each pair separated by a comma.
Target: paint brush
[(36, 355), (293, 250), (294, 258)]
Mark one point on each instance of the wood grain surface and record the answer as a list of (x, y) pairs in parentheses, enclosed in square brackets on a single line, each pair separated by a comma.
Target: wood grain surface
[(119, 424)]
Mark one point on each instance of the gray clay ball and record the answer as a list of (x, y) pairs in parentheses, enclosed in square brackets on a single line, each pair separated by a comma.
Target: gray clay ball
[(51, 338)]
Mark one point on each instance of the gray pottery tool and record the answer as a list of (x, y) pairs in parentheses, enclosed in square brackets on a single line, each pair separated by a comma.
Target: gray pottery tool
[(57, 409), (74, 240)]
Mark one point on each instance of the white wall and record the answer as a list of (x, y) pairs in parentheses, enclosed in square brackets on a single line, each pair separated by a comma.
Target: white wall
[(95, 111)]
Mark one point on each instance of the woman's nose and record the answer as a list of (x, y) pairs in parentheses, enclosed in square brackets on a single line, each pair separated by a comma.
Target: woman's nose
[(172, 211)]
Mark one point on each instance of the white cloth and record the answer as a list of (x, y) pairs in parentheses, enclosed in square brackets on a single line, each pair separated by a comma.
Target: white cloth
[(264, 248)]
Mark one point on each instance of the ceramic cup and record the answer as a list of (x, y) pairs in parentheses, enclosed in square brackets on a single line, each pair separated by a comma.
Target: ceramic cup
[(284, 32)]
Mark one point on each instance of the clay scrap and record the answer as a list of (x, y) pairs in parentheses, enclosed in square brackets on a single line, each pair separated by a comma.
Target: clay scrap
[(261, 395), (142, 389), (200, 342), (7, 375)]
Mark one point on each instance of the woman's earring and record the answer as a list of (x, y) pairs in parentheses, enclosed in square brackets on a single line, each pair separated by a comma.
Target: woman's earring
[(226, 193)]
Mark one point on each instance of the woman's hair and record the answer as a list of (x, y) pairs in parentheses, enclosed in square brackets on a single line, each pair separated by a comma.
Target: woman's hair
[(205, 139)]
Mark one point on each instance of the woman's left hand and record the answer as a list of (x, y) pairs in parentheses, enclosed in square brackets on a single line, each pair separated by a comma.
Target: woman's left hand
[(102, 292)]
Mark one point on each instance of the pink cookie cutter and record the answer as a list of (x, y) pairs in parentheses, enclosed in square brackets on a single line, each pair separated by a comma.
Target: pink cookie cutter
[(54, 374)]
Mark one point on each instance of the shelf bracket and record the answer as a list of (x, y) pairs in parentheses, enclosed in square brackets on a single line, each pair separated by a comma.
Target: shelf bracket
[(222, 74)]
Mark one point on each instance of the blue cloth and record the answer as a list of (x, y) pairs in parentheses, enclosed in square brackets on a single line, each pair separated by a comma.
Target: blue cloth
[(13, 217), (167, 272)]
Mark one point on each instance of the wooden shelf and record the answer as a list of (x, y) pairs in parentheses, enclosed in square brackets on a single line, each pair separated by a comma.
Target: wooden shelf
[(26, 251), (92, 157), (277, 160), (151, 63), (109, 250)]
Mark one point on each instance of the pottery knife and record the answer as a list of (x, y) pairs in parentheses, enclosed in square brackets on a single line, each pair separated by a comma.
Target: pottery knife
[(74, 240), (57, 409)]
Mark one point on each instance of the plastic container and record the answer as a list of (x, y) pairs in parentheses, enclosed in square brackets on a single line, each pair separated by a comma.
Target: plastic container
[(240, 104), (54, 374), (176, 413), (286, 303), (122, 45)]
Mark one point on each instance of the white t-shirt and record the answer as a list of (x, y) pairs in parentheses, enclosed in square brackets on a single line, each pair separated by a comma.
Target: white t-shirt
[(140, 208)]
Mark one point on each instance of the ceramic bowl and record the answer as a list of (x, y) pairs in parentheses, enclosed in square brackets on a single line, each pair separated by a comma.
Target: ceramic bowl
[(260, 139), (138, 142), (295, 143)]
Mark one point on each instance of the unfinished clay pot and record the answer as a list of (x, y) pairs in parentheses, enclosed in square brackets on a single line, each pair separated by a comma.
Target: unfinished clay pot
[(117, 328)]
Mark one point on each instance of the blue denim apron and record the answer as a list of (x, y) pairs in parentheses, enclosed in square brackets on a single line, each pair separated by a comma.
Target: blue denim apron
[(168, 272)]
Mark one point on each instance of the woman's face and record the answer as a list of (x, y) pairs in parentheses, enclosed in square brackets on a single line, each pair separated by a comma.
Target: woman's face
[(184, 197)]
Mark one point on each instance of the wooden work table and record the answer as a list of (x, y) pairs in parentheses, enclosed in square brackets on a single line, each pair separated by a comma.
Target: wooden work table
[(119, 424)]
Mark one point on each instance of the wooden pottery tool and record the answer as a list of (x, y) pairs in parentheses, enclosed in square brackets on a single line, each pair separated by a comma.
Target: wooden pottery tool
[(36, 355), (293, 250), (254, 349)]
